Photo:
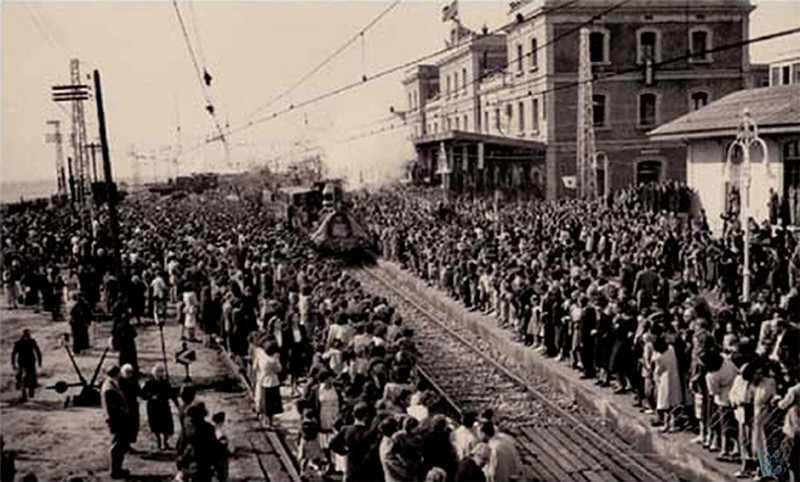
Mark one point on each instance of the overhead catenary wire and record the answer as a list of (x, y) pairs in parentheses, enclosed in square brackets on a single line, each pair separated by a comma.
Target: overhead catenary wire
[(362, 81), (388, 71), (203, 86), (613, 74), (326, 60), (196, 30)]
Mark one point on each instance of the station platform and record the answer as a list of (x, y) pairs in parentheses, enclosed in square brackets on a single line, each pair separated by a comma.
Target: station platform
[(54, 442), (688, 460)]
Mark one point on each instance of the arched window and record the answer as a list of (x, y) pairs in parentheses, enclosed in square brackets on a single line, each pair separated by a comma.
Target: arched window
[(698, 100), (600, 110), (648, 45), (700, 42), (648, 109), (599, 42)]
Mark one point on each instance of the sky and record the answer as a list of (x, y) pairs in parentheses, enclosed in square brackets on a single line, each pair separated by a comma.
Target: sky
[(254, 51)]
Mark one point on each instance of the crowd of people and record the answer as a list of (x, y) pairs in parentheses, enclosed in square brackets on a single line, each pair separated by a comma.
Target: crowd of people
[(234, 275), (634, 292)]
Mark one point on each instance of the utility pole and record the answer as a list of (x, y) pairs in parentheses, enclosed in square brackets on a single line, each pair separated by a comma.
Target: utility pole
[(110, 191), (55, 138), (177, 154), (746, 138), (91, 148), (71, 184), (586, 155)]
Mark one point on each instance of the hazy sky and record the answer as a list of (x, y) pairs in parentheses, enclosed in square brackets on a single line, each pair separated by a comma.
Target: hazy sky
[(253, 50)]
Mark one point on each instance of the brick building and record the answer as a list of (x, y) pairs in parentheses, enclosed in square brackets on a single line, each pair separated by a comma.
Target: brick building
[(513, 91)]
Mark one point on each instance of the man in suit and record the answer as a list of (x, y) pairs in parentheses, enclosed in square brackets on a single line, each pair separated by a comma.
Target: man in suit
[(117, 413), (358, 442)]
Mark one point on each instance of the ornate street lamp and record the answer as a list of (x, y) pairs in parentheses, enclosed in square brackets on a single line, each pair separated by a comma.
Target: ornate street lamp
[(746, 138)]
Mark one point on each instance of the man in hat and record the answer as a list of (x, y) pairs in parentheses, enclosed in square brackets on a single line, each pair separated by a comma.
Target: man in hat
[(117, 413)]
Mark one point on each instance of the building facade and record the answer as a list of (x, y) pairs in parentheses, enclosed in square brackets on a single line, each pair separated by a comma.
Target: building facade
[(652, 61), (785, 71), (715, 170)]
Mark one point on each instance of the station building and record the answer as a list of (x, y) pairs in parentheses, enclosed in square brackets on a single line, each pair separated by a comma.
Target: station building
[(499, 109), (774, 180)]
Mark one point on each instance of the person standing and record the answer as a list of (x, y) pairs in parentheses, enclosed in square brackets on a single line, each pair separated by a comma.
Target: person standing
[(117, 413), (129, 384), (80, 317), (504, 462), (199, 450), (189, 307), (268, 367), (137, 294), (123, 336), (470, 469), (158, 392), (24, 357), (159, 292), (357, 441)]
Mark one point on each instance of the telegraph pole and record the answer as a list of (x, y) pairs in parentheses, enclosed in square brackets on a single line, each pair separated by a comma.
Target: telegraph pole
[(76, 93), (55, 138), (111, 193), (91, 148)]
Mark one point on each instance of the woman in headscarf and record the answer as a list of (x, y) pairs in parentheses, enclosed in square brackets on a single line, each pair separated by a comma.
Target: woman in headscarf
[(158, 392)]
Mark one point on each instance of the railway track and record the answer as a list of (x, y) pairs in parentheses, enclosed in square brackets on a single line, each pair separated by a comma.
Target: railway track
[(272, 453), (556, 439)]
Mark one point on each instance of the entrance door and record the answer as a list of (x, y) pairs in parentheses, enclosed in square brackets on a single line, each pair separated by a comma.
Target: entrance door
[(648, 171)]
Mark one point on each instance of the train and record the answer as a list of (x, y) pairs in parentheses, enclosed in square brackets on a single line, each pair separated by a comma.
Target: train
[(320, 211)]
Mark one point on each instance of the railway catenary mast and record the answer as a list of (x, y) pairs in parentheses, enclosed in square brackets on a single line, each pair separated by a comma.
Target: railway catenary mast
[(586, 155)]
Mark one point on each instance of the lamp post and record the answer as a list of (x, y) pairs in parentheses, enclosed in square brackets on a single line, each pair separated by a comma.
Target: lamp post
[(746, 138)]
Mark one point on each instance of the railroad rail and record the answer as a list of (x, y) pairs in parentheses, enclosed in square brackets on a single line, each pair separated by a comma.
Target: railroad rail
[(554, 443), (274, 458)]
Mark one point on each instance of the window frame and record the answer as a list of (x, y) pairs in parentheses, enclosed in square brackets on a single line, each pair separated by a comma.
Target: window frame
[(606, 45), (709, 45), (691, 98), (535, 123), (640, 47), (606, 117), (521, 117), (656, 113), (534, 54), (520, 58)]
